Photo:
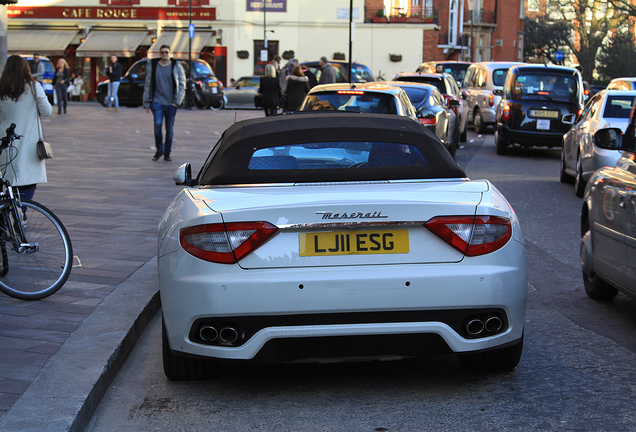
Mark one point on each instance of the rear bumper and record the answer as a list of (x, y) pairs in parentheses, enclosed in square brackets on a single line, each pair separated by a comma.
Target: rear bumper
[(295, 314), (530, 138)]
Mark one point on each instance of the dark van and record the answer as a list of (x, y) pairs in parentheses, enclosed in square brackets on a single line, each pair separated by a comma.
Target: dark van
[(538, 105)]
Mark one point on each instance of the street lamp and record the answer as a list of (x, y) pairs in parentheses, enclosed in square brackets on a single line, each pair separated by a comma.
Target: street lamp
[(471, 8)]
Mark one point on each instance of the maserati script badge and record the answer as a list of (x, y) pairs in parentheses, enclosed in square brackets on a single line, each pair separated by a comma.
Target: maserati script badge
[(353, 215)]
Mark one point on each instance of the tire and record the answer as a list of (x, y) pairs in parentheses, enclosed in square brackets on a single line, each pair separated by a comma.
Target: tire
[(178, 368), (497, 360), (201, 100), (563, 176), (217, 105), (480, 126), (595, 288), (501, 145), (579, 181), (39, 270), (463, 137), (101, 98)]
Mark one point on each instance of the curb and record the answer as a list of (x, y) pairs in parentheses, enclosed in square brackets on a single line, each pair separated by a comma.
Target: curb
[(71, 385)]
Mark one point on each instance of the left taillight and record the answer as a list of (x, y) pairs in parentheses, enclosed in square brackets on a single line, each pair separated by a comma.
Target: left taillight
[(491, 100), (472, 235), (225, 243), (506, 113)]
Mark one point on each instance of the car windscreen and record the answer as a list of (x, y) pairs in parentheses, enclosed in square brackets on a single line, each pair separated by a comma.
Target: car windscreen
[(618, 106), (499, 77), (544, 87), (351, 100), (361, 73), (458, 71), (417, 95)]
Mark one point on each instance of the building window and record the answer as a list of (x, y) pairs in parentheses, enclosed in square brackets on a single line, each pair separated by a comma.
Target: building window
[(533, 5)]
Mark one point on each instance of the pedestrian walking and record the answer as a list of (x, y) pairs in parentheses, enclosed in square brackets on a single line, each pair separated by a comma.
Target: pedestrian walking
[(37, 68), (22, 101), (164, 90), (60, 83), (296, 90), (285, 72), (269, 90), (114, 75), (328, 74)]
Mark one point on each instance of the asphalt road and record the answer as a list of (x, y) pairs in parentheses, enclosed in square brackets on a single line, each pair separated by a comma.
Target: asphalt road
[(577, 372)]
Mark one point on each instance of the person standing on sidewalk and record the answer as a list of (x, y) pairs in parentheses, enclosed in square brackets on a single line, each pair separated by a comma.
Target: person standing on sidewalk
[(114, 75), (164, 90), (22, 101), (328, 75), (60, 83), (37, 68)]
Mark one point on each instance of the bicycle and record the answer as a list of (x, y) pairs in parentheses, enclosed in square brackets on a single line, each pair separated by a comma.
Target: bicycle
[(36, 254)]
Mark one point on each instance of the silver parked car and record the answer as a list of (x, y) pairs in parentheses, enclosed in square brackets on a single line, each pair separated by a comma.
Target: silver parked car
[(480, 82), (580, 155), (241, 94), (608, 218)]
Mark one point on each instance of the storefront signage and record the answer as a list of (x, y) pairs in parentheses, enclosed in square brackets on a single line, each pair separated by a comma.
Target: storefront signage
[(271, 6), (120, 13)]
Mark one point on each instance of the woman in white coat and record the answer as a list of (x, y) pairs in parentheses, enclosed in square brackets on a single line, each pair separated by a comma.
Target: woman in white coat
[(22, 101)]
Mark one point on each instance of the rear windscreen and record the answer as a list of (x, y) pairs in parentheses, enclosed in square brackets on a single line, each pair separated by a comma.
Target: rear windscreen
[(417, 95), (618, 107), (457, 71), (351, 101), (336, 155), (499, 77), (544, 87), (437, 82)]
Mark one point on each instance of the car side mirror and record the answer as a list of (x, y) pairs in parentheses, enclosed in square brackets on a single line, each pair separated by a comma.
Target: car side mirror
[(183, 175), (569, 119), (464, 94), (497, 92), (453, 102), (609, 139)]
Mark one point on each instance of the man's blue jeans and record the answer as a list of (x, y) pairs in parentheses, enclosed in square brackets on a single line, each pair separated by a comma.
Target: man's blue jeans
[(113, 100), (159, 113)]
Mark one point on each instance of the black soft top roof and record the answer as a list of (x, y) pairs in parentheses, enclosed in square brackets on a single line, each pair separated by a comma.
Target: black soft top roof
[(229, 159)]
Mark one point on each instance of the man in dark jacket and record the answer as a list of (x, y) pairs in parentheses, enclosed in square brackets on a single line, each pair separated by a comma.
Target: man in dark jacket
[(164, 90), (114, 74), (328, 75)]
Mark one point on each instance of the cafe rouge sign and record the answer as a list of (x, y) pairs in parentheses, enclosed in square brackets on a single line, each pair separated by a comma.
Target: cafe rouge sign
[(90, 12)]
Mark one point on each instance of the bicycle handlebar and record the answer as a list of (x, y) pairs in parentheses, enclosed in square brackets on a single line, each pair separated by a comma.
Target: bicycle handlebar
[(8, 139)]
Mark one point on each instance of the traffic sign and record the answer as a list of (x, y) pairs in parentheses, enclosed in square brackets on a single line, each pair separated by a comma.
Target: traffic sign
[(558, 56), (191, 31)]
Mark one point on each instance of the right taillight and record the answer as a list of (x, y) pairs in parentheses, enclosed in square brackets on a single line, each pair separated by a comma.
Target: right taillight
[(428, 121), (506, 113), (472, 235), (491, 99), (225, 243)]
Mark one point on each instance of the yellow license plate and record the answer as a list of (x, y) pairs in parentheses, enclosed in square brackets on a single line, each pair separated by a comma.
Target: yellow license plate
[(544, 113), (354, 242)]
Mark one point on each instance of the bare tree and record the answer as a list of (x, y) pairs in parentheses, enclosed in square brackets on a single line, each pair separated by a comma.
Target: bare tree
[(592, 21)]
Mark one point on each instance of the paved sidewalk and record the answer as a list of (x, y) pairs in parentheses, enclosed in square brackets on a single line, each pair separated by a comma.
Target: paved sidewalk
[(58, 355)]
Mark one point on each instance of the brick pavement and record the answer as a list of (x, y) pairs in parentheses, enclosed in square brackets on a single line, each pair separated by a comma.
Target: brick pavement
[(110, 195)]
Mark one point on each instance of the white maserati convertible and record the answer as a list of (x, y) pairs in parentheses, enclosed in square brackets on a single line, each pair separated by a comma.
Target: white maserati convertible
[(335, 236)]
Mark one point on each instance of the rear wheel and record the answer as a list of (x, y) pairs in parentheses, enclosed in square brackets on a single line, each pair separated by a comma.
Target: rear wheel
[(500, 144), (480, 126), (201, 100), (463, 137), (595, 288), (564, 177), (217, 104), (184, 368), (579, 181), (498, 360)]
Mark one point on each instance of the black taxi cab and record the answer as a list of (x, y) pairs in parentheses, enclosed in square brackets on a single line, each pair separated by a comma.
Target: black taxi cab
[(539, 104)]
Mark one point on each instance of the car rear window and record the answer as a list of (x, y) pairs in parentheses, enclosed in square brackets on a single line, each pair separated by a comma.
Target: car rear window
[(351, 100), (544, 87), (618, 107), (361, 74), (457, 71), (417, 95), (336, 155), (499, 77), (434, 81)]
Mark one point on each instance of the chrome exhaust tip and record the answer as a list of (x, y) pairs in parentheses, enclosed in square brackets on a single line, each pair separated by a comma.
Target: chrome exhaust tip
[(208, 333), (475, 327), (493, 324), (228, 335)]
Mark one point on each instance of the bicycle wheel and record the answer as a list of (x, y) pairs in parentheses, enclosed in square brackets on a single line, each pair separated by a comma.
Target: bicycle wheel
[(38, 266)]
